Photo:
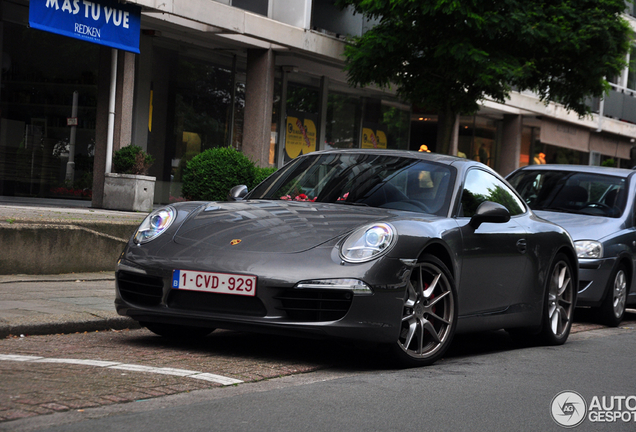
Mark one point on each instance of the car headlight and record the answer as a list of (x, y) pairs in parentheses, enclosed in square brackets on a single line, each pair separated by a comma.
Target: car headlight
[(368, 243), (588, 249), (155, 223)]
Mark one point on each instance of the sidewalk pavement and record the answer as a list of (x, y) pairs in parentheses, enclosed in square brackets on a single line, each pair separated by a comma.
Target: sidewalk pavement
[(66, 303), (62, 303), (40, 210)]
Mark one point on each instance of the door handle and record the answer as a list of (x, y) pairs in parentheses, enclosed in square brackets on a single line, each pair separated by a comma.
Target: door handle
[(522, 245)]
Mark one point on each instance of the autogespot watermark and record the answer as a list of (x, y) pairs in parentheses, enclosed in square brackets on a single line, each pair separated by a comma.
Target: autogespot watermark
[(569, 409)]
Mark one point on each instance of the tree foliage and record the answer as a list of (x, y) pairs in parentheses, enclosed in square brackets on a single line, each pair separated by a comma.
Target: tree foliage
[(452, 54)]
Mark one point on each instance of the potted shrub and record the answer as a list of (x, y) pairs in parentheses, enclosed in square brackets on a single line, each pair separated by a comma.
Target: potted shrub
[(129, 188)]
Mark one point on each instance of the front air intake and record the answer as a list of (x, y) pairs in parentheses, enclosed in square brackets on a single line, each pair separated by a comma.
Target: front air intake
[(309, 305), (140, 289)]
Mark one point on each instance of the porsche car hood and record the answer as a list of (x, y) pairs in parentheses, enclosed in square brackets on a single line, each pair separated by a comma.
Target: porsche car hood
[(273, 226), (582, 227)]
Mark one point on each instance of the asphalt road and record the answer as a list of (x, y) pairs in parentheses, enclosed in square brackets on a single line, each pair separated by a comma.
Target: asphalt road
[(486, 383)]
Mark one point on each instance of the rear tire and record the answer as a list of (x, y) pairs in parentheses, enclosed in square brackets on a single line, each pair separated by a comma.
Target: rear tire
[(177, 332)]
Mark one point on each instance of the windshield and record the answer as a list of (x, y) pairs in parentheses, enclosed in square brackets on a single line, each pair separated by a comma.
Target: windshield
[(572, 192), (363, 179)]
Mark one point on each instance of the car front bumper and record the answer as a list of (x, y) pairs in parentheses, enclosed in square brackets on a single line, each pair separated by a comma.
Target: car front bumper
[(144, 293), (593, 278)]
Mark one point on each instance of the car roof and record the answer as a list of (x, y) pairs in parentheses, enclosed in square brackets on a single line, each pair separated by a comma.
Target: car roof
[(591, 169)]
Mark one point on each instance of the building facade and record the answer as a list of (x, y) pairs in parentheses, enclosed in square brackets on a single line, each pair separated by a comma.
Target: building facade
[(263, 76)]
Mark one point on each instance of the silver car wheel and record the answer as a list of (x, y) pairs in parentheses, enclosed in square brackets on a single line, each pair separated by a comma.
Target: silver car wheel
[(612, 308), (429, 313), (619, 293), (560, 299)]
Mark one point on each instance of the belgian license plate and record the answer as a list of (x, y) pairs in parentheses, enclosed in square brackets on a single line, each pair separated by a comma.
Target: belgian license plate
[(223, 283)]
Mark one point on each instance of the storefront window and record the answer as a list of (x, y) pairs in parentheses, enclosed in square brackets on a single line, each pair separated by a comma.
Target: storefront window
[(385, 125), (397, 123), (203, 104), (561, 155), (614, 162), (302, 98), (526, 146), (343, 121), (202, 115), (40, 73), (301, 123), (477, 139)]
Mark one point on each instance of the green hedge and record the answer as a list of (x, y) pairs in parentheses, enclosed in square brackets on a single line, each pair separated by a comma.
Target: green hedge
[(261, 174), (210, 175)]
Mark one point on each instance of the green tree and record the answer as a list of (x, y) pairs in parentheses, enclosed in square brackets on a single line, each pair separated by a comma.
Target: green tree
[(452, 54)]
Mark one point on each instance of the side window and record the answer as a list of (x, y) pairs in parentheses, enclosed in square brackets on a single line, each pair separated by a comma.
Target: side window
[(482, 186)]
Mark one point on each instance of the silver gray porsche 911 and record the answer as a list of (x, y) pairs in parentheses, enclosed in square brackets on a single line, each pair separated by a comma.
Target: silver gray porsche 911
[(402, 249)]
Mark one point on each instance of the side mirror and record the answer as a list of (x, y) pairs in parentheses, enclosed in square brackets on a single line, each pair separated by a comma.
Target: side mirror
[(489, 211), (237, 193)]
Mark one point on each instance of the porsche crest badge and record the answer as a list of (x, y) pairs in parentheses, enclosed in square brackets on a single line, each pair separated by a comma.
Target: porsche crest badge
[(235, 242)]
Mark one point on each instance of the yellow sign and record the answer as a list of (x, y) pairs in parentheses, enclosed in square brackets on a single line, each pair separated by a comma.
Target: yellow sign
[(300, 137), (373, 140)]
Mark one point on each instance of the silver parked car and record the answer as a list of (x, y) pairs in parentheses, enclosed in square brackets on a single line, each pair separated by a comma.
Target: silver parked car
[(597, 207)]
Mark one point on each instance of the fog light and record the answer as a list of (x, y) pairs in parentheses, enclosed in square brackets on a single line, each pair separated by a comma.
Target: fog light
[(356, 286)]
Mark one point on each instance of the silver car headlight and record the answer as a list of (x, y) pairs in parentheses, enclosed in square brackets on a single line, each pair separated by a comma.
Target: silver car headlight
[(368, 243), (155, 224), (588, 249)]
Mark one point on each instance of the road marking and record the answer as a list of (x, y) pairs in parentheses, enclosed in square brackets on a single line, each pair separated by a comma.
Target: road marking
[(77, 362), (127, 367)]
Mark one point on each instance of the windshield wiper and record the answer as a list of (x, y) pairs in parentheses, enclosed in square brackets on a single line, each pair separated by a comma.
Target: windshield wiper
[(352, 203), (558, 209)]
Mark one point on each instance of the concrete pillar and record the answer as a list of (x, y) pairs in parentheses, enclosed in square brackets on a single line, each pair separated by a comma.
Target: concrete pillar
[(510, 144), (259, 98), (123, 114), (124, 99)]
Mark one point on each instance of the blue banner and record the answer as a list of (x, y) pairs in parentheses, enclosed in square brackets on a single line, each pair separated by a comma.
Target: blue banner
[(105, 22)]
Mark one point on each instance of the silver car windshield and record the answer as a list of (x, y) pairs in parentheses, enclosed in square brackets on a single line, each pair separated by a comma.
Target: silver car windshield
[(363, 179), (572, 192)]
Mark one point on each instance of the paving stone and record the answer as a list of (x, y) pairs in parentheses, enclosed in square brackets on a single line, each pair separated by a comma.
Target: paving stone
[(55, 407)]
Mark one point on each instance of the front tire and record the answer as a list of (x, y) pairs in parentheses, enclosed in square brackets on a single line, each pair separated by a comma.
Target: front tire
[(612, 310), (429, 315), (558, 308)]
